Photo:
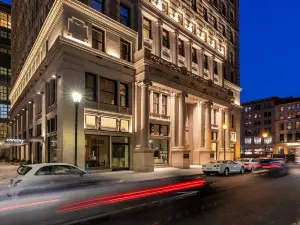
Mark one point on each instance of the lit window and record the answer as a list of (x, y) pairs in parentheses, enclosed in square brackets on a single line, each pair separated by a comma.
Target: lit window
[(4, 111), (248, 141), (3, 130), (281, 108), (5, 71), (107, 91), (5, 20), (3, 93), (257, 140), (281, 117), (147, 29), (268, 140), (289, 125), (165, 7)]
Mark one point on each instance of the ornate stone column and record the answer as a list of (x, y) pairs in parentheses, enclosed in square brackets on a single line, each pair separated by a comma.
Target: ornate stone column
[(158, 41), (189, 54), (173, 119), (142, 156), (221, 75), (221, 135), (227, 132), (208, 125), (180, 155), (211, 67), (200, 62), (174, 50), (238, 133)]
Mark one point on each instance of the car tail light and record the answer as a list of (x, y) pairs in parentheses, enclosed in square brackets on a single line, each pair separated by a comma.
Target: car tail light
[(17, 182)]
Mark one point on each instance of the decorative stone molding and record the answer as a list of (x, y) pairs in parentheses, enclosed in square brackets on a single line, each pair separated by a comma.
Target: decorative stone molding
[(109, 107), (182, 94), (181, 59), (77, 29), (52, 107), (148, 43), (159, 116), (38, 116), (145, 82), (90, 104), (166, 52)]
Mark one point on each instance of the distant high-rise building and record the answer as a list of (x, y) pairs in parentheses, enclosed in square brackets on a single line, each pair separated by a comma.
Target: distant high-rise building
[(158, 80), (5, 71)]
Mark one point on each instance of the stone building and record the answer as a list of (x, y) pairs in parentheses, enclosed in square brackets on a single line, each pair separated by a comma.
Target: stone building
[(5, 73), (158, 79)]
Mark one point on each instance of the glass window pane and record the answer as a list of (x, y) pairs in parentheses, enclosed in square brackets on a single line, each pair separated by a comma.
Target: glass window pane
[(97, 5)]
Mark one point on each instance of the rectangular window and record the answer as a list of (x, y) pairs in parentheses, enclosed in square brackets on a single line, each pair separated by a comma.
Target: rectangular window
[(156, 103), (215, 23), (231, 58), (215, 68), (166, 39), (297, 136), (215, 117), (248, 141), (194, 5), (281, 126), (3, 130), (5, 20), (3, 93), (164, 104), (98, 5), (231, 17), (165, 7), (125, 50), (4, 111), (232, 121), (98, 39), (90, 87), (205, 62), (147, 31), (205, 15), (124, 95), (181, 47), (257, 140), (194, 56), (223, 31), (51, 89), (124, 15), (5, 72), (107, 91)]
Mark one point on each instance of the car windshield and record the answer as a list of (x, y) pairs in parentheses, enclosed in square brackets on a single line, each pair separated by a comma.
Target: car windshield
[(218, 161), (22, 170), (244, 160)]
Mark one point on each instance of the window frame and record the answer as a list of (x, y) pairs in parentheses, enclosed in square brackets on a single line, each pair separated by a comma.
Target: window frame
[(181, 49), (155, 103), (101, 3), (123, 53), (145, 28), (166, 39), (98, 31), (124, 95), (194, 56), (114, 94), (94, 88), (128, 24)]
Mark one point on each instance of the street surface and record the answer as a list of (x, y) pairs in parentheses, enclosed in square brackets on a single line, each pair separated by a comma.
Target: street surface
[(242, 200)]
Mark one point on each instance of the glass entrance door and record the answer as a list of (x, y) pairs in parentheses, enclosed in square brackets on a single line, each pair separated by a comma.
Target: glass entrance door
[(120, 153)]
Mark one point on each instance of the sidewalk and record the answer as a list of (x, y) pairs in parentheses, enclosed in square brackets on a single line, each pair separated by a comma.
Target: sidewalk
[(7, 171)]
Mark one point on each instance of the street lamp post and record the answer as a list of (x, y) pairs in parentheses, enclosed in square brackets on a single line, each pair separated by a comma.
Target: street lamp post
[(76, 98), (265, 135), (224, 128)]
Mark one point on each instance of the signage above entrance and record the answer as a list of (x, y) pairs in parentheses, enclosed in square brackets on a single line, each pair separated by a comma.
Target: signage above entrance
[(15, 141)]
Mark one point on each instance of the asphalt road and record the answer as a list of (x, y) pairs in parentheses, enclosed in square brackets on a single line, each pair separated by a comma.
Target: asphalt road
[(240, 200)]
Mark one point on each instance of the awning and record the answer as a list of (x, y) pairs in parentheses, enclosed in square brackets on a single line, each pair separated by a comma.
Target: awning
[(20, 142)]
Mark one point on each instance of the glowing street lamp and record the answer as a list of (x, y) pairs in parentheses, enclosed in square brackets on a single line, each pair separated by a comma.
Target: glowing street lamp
[(265, 135), (76, 98)]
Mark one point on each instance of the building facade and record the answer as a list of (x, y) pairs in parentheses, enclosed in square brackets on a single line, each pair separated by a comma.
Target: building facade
[(258, 117), (279, 118), (5, 72), (158, 79), (288, 126)]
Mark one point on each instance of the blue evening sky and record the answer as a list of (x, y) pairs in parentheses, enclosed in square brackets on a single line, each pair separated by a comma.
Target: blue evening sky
[(269, 32)]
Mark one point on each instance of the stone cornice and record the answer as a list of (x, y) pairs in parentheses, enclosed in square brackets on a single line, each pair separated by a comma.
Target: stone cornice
[(233, 86)]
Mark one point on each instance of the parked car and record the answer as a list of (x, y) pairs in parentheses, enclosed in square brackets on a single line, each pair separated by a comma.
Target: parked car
[(225, 167), (250, 164), (274, 167), (50, 177)]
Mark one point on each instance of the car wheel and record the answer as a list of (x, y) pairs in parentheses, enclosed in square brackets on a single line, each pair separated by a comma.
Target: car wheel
[(226, 172), (242, 170)]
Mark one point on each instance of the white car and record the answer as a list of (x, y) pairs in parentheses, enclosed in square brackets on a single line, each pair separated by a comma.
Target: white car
[(225, 167), (250, 164), (43, 177)]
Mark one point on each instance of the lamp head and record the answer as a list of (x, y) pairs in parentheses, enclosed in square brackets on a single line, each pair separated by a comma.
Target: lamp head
[(76, 97), (224, 126)]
